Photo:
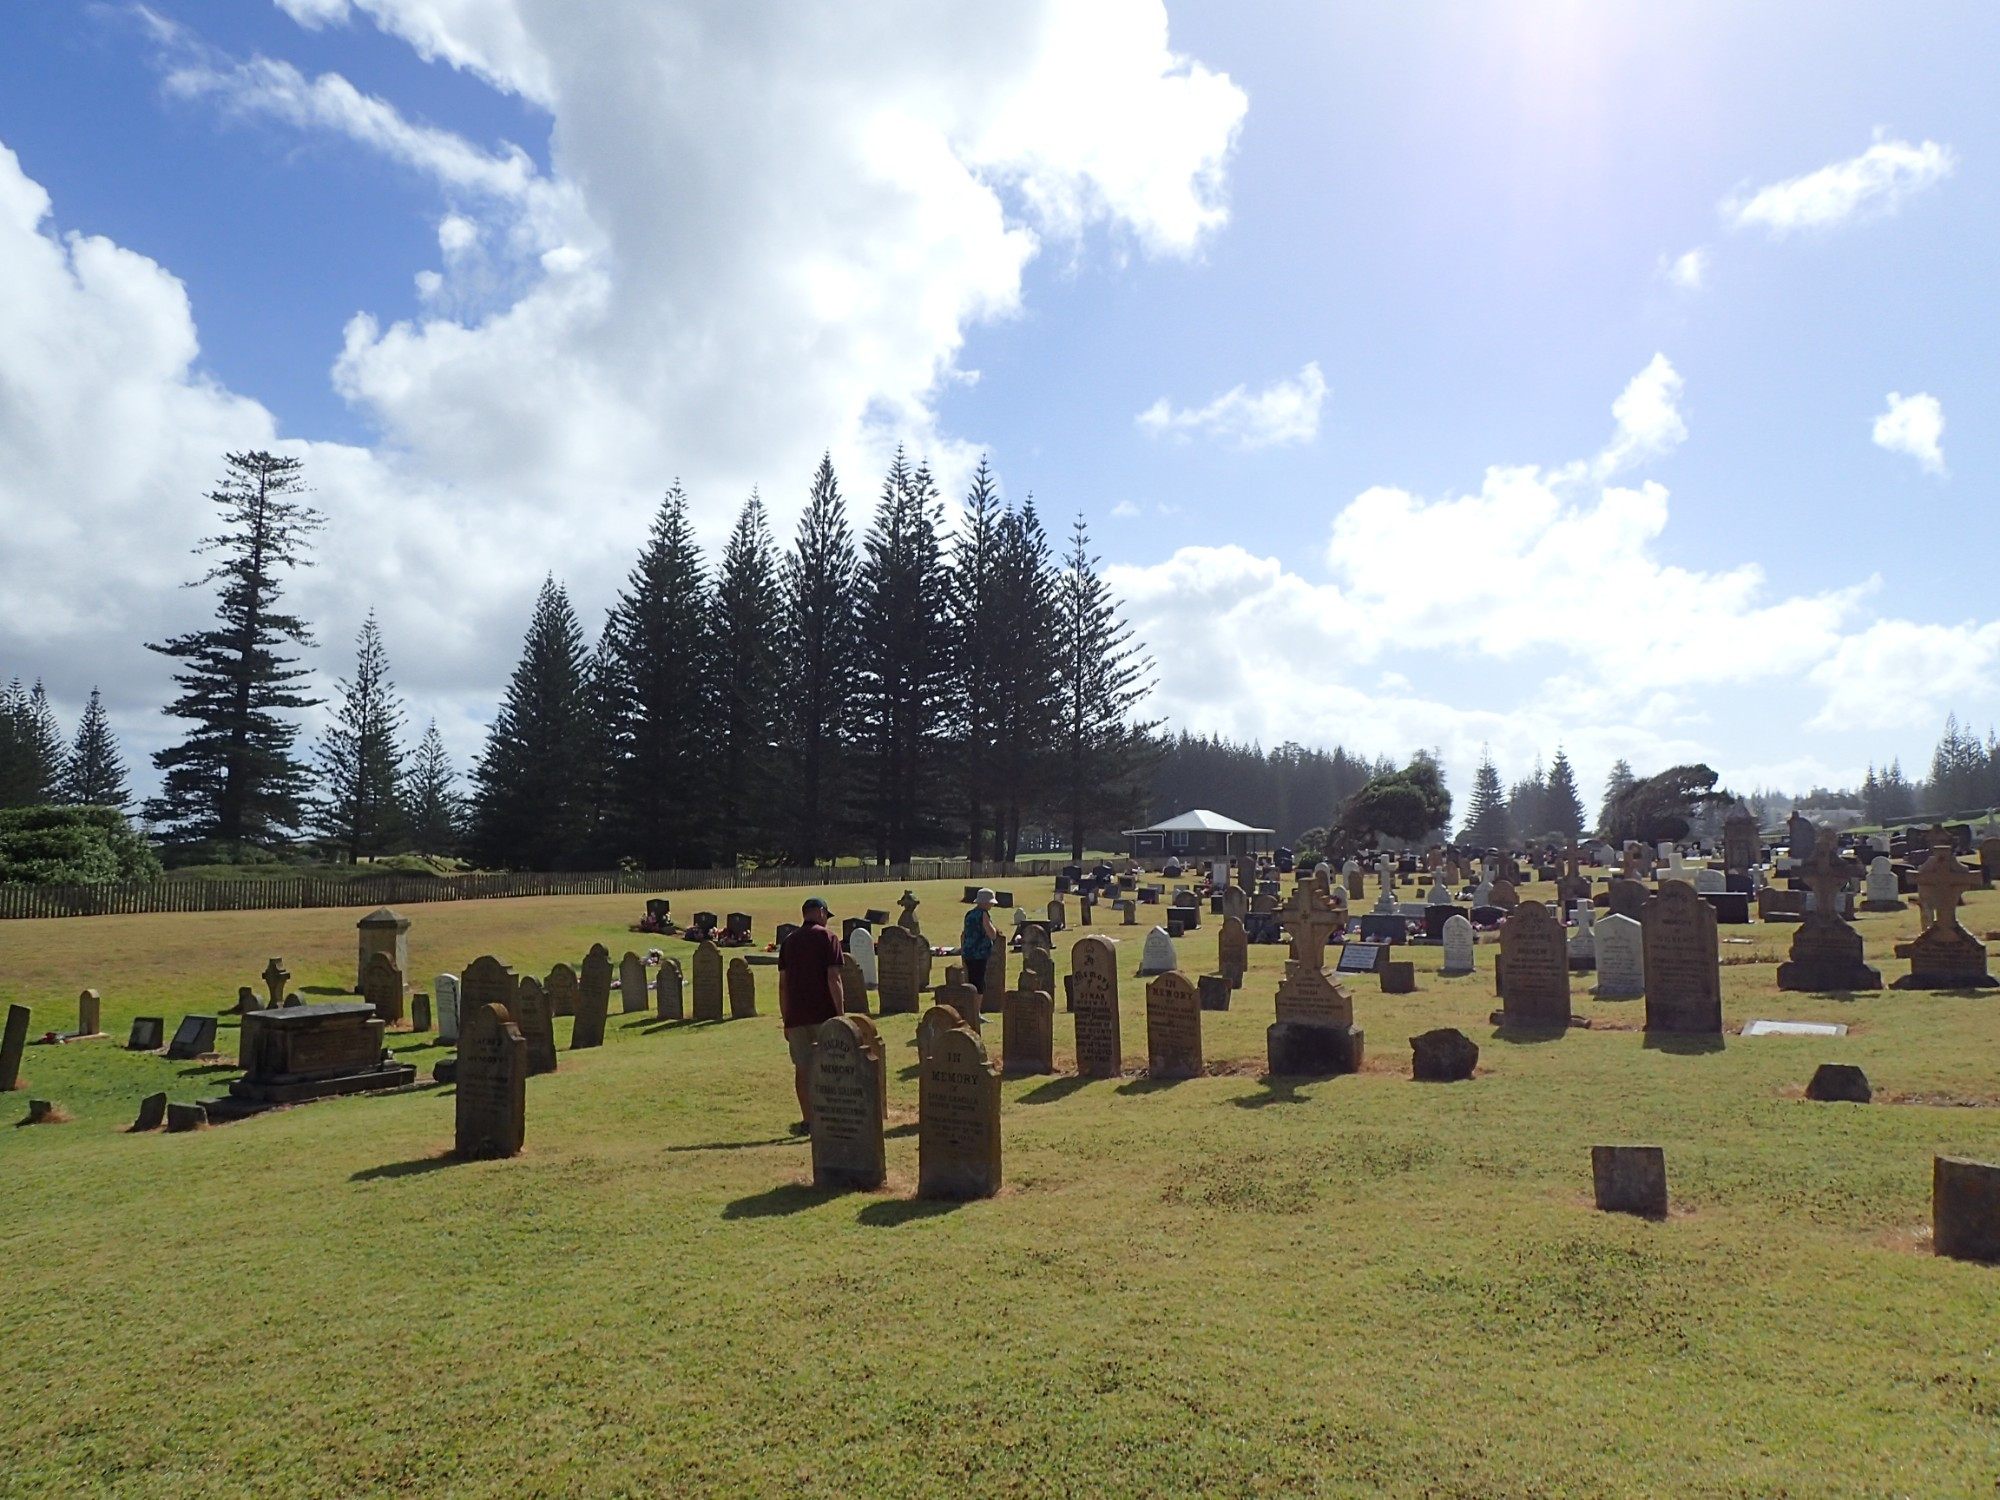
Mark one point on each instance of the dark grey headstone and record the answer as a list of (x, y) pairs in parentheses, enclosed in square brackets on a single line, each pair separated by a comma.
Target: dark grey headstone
[(1214, 989), (194, 1037), (181, 1117), (1630, 1179), (148, 1032), (1965, 1209), (152, 1113), (1839, 1083)]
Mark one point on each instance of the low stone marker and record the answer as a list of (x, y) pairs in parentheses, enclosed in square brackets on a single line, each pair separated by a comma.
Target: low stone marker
[(1399, 977), (1214, 990), (184, 1117), (668, 991), (12, 1041), (148, 1032), (382, 987), (958, 1120), (492, 1082), (152, 1114), (420, 1012), (1027, 1033), (1173, 1028), (1446, 1055), (1630, 1179), (89, 1011), (847, 1092), (1839, 1083), (1965, 1209), (632, 986), (742, 990), (193, 1038)]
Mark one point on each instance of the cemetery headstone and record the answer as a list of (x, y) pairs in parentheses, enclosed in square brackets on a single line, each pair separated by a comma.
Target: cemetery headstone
[(708, 982), (1965, 1209), (958, 1120), (847, 1092), (1826, 953), (1158, 956), (853, 988), (148, 1032), (908, 905), (1446, 1055), (1214, 991), (1883, 890), (668, 991), (1503, 895), (276, 976), (193, 1038), (900, 964), (1626, 898), (1093, 966), (862, 946), (1173, 1028), (12, 1043), (381, 931), (530, 1012), (382, 987), (1027, 1032), (632, 985), (593, 1001), (1839, 1083), (444, 991), (1583, 938), (185, 1117), (420, 1013), (1458, 946), (1534, 969), (1683, 978), (1621, 959), (1232, 951), (492, 1083), (1740, 843), (89, 1010), (1399, 977), (1630, 1180), (562, 990), (742, 990), (152, 1114)]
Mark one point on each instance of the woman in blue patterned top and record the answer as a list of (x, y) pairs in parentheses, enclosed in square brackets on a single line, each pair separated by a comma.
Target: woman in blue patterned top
[(975, 943)]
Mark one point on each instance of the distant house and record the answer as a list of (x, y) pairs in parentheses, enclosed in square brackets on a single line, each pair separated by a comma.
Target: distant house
[(1199, 834)]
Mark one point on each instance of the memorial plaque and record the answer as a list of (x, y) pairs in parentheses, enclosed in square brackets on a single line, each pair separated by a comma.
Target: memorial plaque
[(530, 1012), (1093, 966), (707, 981), (1360, 958), (900, 963), (1534, 968), (668, 991), (193, 1038), (1683, 977), (561, 989), (1621, 958), (742, 990), (382, 987), (958, 1120), (1027, 1032), (1173, 1028), (632, 985), (846, 1092), (492, 1085), (1232, 950)]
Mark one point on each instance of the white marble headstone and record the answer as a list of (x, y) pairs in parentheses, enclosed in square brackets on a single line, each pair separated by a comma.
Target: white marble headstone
[(1482, 894), (1457, 945), (1621, 958), (862, 947), (1437, 895), (1582, 937), (444, 994), (1158, 957), (1882, 880)]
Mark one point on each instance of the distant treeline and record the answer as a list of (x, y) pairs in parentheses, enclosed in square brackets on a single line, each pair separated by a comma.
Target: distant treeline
[(1289, 788)]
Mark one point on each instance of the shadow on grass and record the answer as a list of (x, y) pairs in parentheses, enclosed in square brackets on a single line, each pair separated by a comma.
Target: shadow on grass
[(894, 1211), (1148, 1085), (204, 1069), (1276, 1090), (1053, 1090), (910, 1072), (895, 1131), (1682, 1044), (656, 1024), (1529, 1036), (327, 989), (774, 1203), (776, 1140), (405, 1168)]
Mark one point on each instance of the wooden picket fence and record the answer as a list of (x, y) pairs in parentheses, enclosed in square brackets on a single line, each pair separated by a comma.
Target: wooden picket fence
[(127, 898)]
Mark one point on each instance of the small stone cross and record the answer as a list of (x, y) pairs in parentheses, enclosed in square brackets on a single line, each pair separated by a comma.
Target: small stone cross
[(1826, 873), (275, 976), (1311, 920), (1941, 885)]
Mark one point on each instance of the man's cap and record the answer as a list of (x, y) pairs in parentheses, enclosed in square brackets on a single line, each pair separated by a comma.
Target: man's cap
[(811, 901), (984, 897)]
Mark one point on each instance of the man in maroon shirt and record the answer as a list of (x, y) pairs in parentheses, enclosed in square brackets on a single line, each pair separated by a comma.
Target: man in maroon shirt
[(809, 995)]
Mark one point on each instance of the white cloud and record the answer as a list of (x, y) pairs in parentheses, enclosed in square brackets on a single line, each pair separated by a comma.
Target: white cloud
[(1649, 420), (1875, 182), (1898, 671), (1689, 271), (1125, 510), (1913, 425), (1285, 411)]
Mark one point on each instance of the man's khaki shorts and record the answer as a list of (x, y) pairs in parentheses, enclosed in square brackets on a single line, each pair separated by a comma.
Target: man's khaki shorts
[(800, 1040)]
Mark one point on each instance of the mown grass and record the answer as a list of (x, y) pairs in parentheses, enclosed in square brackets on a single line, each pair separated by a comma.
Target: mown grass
[(1230, 1285)]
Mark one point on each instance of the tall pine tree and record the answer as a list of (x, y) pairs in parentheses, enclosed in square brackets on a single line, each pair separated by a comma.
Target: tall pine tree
[(234, 777), (433, 807), (1102, 754), (749, 656), (360, 756), (656, 649), (1616, 783), (902, 680), (31, 750), (1025, 677), (1561, 802), (530, 800), (979, 637), (94, 773), (821, 644), (1486, 825)]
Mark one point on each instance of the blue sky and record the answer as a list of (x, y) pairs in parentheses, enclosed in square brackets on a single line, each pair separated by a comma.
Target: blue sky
[(502, 269)]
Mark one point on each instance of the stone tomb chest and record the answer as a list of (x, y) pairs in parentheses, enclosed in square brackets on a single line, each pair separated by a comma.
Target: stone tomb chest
[(310, 1052)]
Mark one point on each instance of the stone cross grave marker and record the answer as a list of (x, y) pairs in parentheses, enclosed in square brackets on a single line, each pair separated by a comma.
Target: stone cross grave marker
[(382, 987), (1583, 936), (1458, 946), (492, 1085), (1827, 955), (908, 905), (444, 994), (1683, 974), (1232, 952), (1027, 1032), (1941, 886), (958, 1120), (1093, 963), (1311, 920), (1534, 969), (530, 1011), (1621, 959), (276, 976), (742, 990), (669, 992), (632, 985), (1173, 1028), (707, 981), (562, 989), (900, 967), (846, 1093)]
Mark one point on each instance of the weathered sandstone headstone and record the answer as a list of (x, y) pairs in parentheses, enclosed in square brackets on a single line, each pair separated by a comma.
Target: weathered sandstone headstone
[(1173, 1028), (846, 1093), (1534, 969), (1093, 963), (707, 981), (1027, 1032), (562, 990), (382, 987), (742, 990), (632, 984), (492, 1084), (900, 962), (958, 1120), (669, 991), (1683, 977), (381, 931)]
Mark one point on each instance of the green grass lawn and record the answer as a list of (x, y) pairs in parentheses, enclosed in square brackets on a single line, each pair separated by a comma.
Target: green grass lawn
[(1229, 1285)]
